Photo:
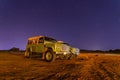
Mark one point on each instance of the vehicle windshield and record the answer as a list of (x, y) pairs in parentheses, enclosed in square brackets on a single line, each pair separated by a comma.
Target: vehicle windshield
[(50, 39), (66, 44)]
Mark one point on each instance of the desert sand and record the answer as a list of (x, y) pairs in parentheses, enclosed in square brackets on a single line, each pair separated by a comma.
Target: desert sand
[(87, 66)]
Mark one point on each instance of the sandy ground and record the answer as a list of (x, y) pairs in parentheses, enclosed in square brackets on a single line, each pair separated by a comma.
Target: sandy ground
[(84, 67)]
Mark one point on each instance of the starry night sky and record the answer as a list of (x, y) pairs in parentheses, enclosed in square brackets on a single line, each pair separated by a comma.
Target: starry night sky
[(86, 24)]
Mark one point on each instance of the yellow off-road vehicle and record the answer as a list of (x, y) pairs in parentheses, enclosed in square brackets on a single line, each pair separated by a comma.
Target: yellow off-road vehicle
[(49, 49)]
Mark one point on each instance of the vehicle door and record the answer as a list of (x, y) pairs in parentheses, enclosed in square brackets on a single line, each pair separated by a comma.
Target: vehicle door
[(40, 45)]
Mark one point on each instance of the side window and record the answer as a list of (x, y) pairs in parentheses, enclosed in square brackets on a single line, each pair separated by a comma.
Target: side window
[(35, 41), (32, 42), (29, 41), (41, 40), (46, 38)]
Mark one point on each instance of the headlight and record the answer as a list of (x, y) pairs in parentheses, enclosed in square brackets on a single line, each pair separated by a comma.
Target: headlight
[(65, 53)]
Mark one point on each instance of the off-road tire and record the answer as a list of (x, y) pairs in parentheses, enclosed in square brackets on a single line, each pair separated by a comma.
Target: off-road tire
[(72, 56), (49, 56), (28, 54), (62, 57)]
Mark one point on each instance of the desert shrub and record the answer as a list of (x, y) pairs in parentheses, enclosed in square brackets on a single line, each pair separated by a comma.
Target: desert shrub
[(14, 49), (114, 51)]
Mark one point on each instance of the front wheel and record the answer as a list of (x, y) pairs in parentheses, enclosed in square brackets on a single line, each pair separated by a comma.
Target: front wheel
[(72, 56), (50, 56), (64, 57)]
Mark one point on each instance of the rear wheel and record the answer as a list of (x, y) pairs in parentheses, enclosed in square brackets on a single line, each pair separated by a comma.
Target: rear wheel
[(50, 56), (28, 53)]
